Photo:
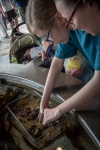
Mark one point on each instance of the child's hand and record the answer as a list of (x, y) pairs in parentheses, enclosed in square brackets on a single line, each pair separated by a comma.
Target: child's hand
[(41, 111), (46, 44), (43, 55), (50, 115)]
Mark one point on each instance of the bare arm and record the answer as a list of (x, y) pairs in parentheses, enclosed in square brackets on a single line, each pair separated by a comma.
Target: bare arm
[(3, 13), (12, 4), (83, 95), (53, 74), (1, 9)]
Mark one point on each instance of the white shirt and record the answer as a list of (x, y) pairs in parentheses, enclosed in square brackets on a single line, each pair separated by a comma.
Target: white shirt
[(35, 51), (6, 5)]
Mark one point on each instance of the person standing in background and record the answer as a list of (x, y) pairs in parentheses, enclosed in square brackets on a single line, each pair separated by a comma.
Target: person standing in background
[(21, 6), (5, 34), (4, 22), (8, 11)]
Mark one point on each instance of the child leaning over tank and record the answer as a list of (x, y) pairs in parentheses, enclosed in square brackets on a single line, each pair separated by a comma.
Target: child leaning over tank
[(45, 21)]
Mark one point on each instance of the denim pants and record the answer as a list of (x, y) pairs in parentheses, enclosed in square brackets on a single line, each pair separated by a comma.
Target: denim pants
[(4, 21), (88, 72)]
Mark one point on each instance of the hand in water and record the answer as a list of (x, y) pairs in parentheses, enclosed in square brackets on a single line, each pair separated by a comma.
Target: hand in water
[(40, 116), (41, 112), (50, 115)]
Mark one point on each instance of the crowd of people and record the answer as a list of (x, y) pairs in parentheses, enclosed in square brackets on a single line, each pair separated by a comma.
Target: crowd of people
[(9, 12)]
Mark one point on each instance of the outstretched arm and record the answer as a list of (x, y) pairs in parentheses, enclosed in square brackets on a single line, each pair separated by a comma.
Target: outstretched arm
[(53, 74), (82, 96)]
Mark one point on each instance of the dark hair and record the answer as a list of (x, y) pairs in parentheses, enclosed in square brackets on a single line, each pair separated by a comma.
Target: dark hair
[(81, 3), (40, 14)]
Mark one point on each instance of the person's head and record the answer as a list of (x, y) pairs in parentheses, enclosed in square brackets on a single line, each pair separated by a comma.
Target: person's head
[(85, 14), (42, 16)]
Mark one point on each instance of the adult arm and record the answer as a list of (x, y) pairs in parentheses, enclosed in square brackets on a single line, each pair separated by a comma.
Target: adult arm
[(12, 4), (3, 13), (82, 96), (55, 69)]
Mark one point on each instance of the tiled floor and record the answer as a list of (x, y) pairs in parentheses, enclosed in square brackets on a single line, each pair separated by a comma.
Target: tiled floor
[(5, 44)]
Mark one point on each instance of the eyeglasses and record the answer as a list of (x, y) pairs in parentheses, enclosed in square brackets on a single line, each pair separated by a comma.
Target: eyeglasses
[(68, 22)]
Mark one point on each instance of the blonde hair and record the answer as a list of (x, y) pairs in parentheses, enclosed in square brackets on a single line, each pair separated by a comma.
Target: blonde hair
[(40, 14)]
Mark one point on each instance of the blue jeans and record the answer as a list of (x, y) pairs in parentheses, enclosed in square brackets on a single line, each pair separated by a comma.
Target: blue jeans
[(88, 72), (4, 21)]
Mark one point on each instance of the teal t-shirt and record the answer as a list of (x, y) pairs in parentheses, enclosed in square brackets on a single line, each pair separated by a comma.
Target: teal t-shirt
[(88, 45)]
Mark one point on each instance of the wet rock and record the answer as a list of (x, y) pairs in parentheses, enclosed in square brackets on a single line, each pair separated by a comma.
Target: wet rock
[(35, 97), (53, 124), (37, 133), (44, 127), (33, 111), (60, 129), (37, 109), (20, 120), (33, 126), (29, 129), (38, 101), (28, 119), (32, 131), (32, 116)]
